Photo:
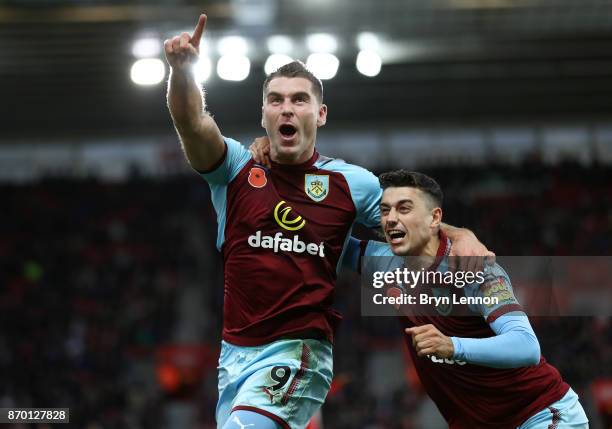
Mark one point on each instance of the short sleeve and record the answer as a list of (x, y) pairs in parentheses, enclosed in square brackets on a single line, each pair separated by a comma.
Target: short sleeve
[(234, 158), (367, 195), (377, 256)]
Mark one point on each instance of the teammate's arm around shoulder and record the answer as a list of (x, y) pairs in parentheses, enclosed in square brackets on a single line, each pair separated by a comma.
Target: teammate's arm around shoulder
[(200, 137)]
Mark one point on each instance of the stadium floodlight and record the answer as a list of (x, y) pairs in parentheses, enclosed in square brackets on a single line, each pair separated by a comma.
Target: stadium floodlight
[(279, 44), (148, 71), (202, 69), (368, 63), (232, 45), (233, 67), (323, 65), (147, 47), (276, 61), (367, 41), (322, 43)]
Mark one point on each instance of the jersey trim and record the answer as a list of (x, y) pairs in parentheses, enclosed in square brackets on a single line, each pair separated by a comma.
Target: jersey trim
[(503, 310), (304, 365), (264, 413), (218, 163)]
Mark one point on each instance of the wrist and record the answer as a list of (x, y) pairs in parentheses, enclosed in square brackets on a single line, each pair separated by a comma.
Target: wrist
[(457, 348)]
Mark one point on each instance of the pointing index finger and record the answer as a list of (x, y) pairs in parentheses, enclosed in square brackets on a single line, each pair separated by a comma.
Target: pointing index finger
[(197, 33)]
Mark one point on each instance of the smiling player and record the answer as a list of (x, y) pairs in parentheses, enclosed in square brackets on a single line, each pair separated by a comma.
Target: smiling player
[(480, 364)]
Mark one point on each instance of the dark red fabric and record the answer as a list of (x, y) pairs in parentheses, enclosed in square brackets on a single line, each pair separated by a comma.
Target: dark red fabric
[(473, 396), (296, 300)]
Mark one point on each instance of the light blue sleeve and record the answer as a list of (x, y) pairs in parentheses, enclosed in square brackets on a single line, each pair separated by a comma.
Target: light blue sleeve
[(367, 193), (236, 156), (234, 159), (514, 345), (377, 248), (377, 256), (364, 187), (355, 251)]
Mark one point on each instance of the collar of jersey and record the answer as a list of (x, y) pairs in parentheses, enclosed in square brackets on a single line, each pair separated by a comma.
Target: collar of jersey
[(302, 166)]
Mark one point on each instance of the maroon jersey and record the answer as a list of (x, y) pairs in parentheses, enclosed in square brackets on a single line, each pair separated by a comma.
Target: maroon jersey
[(281, 233), (472, 396)]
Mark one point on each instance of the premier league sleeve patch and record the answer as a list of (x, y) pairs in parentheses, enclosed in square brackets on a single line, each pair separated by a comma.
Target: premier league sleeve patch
[(499, 297), (316, 186)]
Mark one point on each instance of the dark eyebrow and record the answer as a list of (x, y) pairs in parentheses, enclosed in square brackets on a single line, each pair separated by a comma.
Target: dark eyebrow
[(301, 94), (273, 95), (407, 200), (399, 203)]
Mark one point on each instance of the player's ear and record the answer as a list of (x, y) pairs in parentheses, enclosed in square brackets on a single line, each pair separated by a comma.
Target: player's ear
[(263, 124), (322, 117), (436, 217)]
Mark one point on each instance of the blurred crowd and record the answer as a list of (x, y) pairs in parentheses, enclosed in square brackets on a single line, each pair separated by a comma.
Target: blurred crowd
[(92, 276)]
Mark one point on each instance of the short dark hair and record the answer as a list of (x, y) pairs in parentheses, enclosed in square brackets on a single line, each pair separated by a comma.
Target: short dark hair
[(297, 69), (413, 179)]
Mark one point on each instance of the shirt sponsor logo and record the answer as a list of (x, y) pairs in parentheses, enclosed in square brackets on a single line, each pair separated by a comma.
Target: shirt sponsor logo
[(278, 242), (257, 177), (283, 219), (316, 186), (446, 361)]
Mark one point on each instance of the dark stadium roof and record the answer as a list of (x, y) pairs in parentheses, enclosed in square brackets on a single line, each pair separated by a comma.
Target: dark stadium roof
[(64, 68)]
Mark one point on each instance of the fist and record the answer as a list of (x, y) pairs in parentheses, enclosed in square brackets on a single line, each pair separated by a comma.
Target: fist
[(428, 340), (183, 51)]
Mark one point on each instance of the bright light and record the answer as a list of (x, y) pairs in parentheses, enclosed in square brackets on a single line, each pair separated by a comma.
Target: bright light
[(368, 63), (149, 71), (233, 67), (232, 45), (323, 66), (322, 43), (146, 48), (202, 69), (280, 44), (276, 61), (368, 41)]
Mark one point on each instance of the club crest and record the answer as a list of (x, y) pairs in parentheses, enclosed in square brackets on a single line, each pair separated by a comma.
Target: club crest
[(316, 186)]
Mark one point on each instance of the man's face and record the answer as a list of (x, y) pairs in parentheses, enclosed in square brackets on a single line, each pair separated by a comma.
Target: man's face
[(291, 114), (408, 220)]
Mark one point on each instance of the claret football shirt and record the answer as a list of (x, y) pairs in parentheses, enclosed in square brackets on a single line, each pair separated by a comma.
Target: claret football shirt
[(282, 232)]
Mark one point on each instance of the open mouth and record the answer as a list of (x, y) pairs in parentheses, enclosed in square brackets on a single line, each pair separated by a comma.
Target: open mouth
[(396, 236), (287, 130)]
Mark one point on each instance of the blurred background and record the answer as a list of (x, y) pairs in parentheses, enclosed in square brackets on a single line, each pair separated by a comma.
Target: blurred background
[(110, 284)]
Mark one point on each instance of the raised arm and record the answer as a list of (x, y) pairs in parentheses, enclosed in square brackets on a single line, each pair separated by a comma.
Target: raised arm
[(199, 134)]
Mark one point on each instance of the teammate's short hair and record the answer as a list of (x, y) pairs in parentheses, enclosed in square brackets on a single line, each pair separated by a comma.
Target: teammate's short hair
[(296, 69), (413, 179)]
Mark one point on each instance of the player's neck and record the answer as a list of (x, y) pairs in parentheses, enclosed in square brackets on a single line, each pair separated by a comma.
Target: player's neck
[(292, 160), (432, 246)]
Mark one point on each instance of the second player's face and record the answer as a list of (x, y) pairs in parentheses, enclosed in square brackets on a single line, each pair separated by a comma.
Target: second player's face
[(408, 221), (291, 115)]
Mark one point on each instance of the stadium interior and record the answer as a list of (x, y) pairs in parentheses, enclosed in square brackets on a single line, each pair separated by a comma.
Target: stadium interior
[(111, 287)]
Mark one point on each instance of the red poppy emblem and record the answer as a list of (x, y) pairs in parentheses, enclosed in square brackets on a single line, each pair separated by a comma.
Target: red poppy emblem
[(257, 177)]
